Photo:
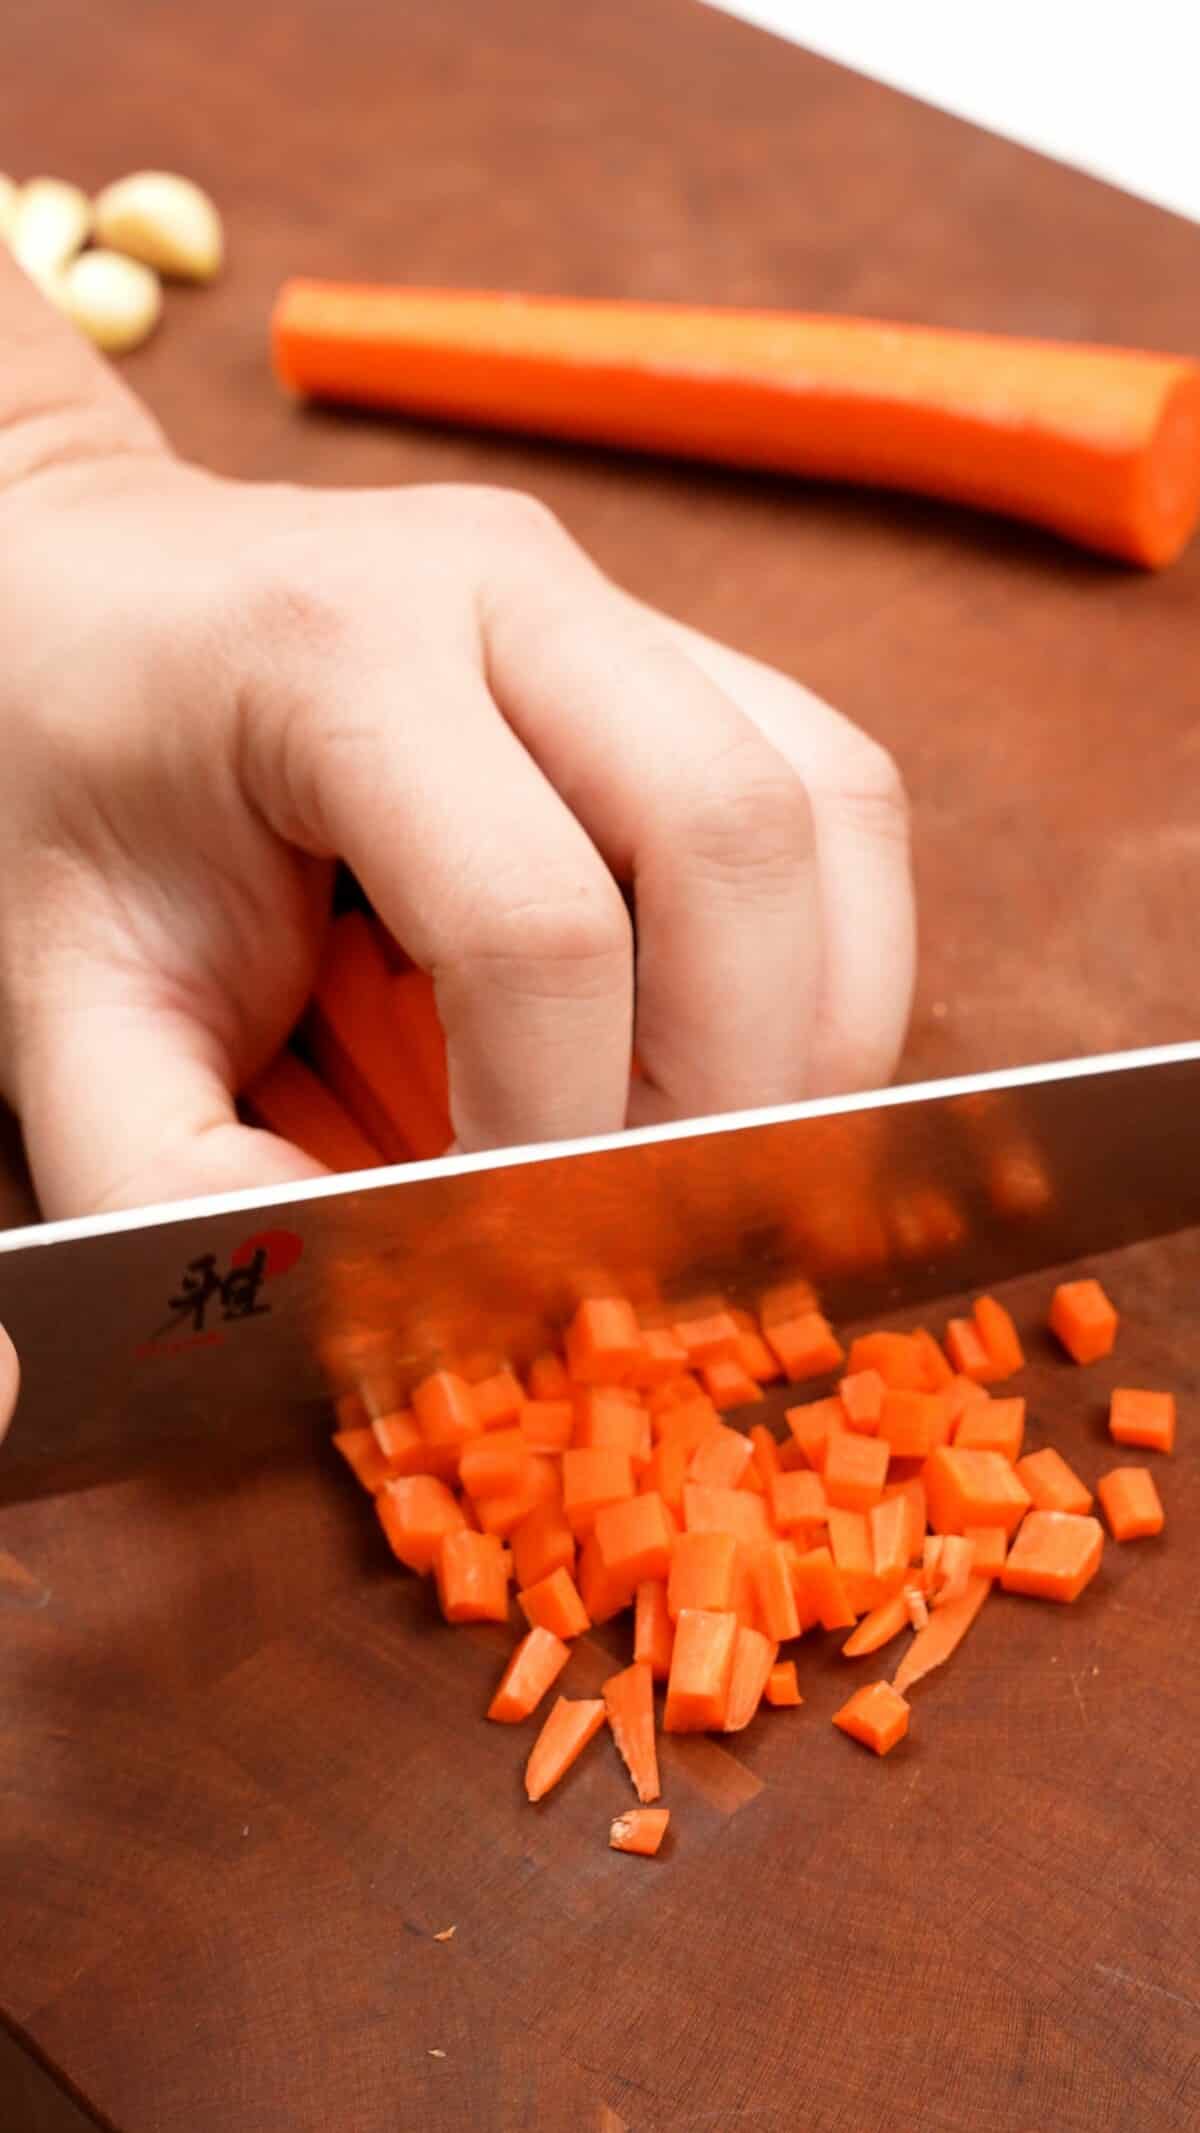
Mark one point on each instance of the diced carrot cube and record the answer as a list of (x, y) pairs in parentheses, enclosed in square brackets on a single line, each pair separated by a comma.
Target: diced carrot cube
[(1084, 1320), (667, 1473), (806, 1347), (971, 1359), (702, 1573), (663, 1357), (798, 1500), (728, 1384), (766, 1454), (542, 1542), (603, 1596), (813, 1425), (913, 1494), (701, 1666), (850, 1545), (547, 1425), (938, 1374), (990, 1549), (495, 1464), (472, 1586), (753, 1353), (548, 1378), (862, 1396), (554, 1603), (911, 1423), (497, 1400), (593, 1476), (973, 1489), (888, 1521), (999, 1336), (710, 1338), (1131, 1503), (820, 1591), (736, 1511), (1143, 1418), (1054, 1556), (786, 1300), (361, 1451), (503, 1514), (415, 1513), (604, 1417), (654, 1628), (603, 1342), (775, 1595), (876, 1715), (782, 1688), (855, 1471), (635, 1540), (721, 1458), (993, 1426), (445, 1410), (1052, 1484), (687, 1425), (898, 1358)]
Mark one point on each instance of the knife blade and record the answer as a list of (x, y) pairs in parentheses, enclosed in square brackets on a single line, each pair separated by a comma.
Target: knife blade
[(233, 1320)]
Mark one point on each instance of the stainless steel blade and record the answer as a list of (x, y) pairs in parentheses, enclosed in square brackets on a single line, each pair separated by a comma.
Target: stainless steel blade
[(230, 1318)]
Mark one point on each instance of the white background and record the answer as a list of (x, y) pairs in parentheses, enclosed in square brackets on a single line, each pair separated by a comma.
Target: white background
[(1111, 86)]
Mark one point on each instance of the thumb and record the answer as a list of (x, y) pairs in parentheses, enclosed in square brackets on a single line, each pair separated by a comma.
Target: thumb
[(125, 1102), (10, 1381)]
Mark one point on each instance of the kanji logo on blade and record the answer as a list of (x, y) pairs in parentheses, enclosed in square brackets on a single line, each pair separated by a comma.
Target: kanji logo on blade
[(212, 1294)]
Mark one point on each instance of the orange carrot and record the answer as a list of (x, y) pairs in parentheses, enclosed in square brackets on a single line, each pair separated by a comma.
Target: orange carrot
[(806, 1346), (504, 1514), (444, 1408), (876, 1715), (911, 1423), (1096, 443), (897, 1358), (603, 1342), (766, 1454), (938, 1374), (736, 1511), (640, 1830), (782, 1688), (753, 1658), (415, 1514), (471, 1582), (1052, 1484), (603, 1596), (753, 1353), (728, 1384), (798, 1500), (888, 1522), (362, 1453), (547, 1425), (635, 1540), (629, 1701), (710, 1337), (1131, 1503), (956, 1563), (721, 1458), (1084, 1320), (287, 1098), (654, 1628), (913, 1495), (1144, 1418), (992, 1426), (880, 1626), (973, 1489), (775, 1595), (548, 1378), (535, 1665), (850, 1545), (701, 1665), (687, 1424), (667, 1473), (989, 1548), (820, 1592), (422, 1039), (1055, 1554), (563, 1738), (813, 1425), (403, 1445), (786, 1301), (497, 1400), (942, 1635), (999, 1336), (861, 1395), (969, 1353), (542, 1542), (554, 1604), (495, 1464), (604, 1418), (855, 1471), (591, 1477), (355, 1045), (663, 1357), (702, 1573)]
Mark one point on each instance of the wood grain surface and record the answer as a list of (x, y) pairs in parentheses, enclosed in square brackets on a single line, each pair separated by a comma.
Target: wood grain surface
[(243, 1772)]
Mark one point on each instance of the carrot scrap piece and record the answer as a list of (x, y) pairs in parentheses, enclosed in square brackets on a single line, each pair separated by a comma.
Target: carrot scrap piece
[(1144, 1418), (888, 1522), (547, 1425), (973, 1489), (702, 1573), (855, 1471), (635, 1540), (999, 1336), (1055, 1554), (471, 1581), (813, 1425), (820, 1590), (721, 1458), (1131, 1503), (942, 1635), (361, 1451), (861, 1394), (639, 1831), (912, 1493), (701, 1665), (629, 1701), (938, 1374), (736, 1511), (444, 1409), (806, 1346), (876, 1715), (918, 1608), (592, 1476), (653, 1628), (753, 1657), (495, 1464), (554, 1604), (415, 1514), (775, 1595), (535, 1665), (990, 1546), (1052, 1484), (879, 1626), (798, 1500), (911, 1423), (548, 1378), (782, 1688), (898, 1358), (956, 1562), (572, 1723), (993, 1426), (1084, 1320), (497, 1400), (603, 1343)]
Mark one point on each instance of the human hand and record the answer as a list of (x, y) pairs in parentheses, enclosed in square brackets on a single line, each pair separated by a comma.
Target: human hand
[(216, 689)]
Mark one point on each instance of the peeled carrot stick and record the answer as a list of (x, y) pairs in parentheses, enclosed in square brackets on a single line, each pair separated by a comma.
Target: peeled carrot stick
[(941, 1636), (1101, 444), (356, 1043), (629, 1701), (287, 1098), (571, 1725)]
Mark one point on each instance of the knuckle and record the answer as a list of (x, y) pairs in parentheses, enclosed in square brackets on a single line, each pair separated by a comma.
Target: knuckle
[(510, 515), (291, 601), (753, 823), (871, 792), (577, 944)]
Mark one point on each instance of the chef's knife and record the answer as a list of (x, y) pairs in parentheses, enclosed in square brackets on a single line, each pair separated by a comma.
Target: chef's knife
[(234, 1318)]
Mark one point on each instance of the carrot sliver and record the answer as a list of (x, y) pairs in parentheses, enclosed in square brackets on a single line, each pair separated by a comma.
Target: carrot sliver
[(879, 1627), (1096, 443), (888, 1522), (999, 1336), (287, 1098), (554, 1603), (753, 1658), (1131, 1503), (629, 1701), (782, 1689), (640, 1831), (653, 1629), (876, 1715), (534, 1667), (942, 1635), (570, 1726)]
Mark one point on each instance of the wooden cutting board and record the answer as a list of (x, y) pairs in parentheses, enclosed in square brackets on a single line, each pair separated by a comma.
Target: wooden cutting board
[(244, 1778)]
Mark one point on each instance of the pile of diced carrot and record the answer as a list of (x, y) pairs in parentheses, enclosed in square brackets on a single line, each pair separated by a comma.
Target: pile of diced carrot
[(607, 1479)]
